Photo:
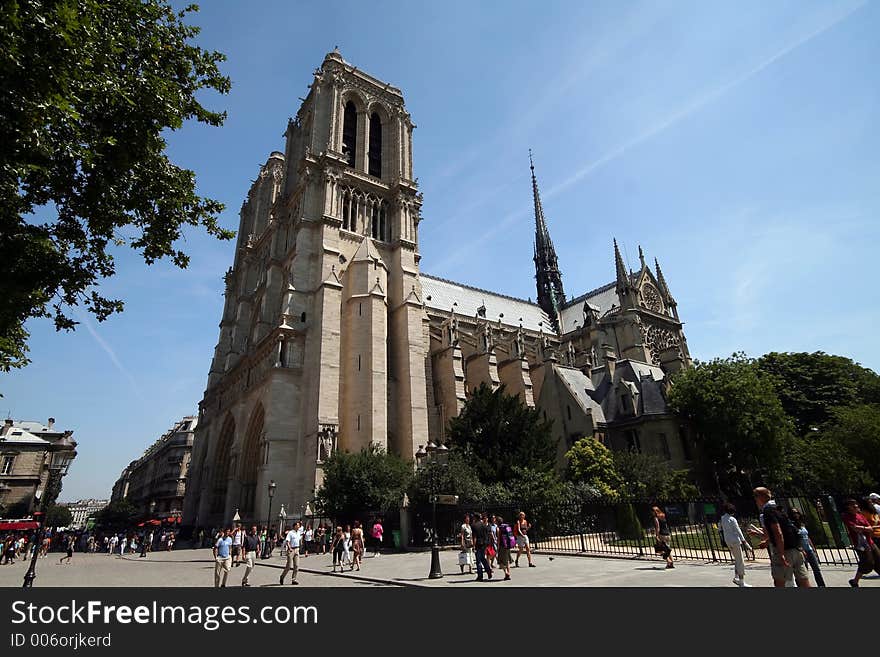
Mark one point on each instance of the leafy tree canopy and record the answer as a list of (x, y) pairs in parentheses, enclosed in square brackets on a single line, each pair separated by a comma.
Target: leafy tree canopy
[(119, 514), (810, 385), (590, 462), (457, 477), (857, 429), (646, 475), (739, 420), (89, 87), (496, 432), (59, 516), (369, 480)]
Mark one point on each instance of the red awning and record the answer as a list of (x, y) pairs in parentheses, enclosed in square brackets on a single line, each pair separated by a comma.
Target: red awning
[(18, 525)]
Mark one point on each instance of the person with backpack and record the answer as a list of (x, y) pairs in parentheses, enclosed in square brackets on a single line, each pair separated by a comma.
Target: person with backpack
[(735, 542), (506, 543), (782, 542)]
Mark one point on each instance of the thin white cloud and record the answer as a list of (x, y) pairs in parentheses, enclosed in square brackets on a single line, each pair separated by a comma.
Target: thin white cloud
[(85, 321), (699, 103)]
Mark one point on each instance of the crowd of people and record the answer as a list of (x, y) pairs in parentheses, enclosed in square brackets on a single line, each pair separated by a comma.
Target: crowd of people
[(487, 542)]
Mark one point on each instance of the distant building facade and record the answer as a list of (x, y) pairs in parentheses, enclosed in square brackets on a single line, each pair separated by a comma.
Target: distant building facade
[(24, 463), (82, 510), (160, 475), (332, 338)]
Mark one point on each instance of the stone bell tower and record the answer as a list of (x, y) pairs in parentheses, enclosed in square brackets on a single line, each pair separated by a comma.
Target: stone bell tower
[(323, 338)]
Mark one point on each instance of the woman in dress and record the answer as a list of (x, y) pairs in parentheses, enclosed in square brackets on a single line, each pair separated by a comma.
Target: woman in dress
[(662, 535), (346, 546), (357, 544)]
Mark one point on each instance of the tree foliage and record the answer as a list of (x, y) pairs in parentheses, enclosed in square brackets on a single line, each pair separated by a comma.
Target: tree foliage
[(119, 514), (646, 475), (590, 462), (59, 516), (89, 87), (457, 477), (738, 417), (496, 432), (369, 480), (857, 430), (810, 385)]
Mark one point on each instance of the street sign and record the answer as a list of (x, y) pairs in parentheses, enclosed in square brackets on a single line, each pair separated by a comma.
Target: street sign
[(447, 499)]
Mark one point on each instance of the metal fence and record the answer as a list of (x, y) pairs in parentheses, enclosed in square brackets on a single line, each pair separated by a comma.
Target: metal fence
[(625, 528)]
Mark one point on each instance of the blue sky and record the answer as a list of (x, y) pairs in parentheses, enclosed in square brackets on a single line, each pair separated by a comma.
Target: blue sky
[(736, 142)]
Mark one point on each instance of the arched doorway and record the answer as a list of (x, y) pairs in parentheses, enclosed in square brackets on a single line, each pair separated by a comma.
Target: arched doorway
[(250, 463), (222, 457)]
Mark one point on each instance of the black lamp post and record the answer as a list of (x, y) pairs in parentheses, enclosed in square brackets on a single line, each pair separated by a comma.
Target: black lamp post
[(433, 457), (61, 454), (272, 487)]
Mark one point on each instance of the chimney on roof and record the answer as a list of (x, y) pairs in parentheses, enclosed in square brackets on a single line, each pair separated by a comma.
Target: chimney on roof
[(6, 426), (51, 423)]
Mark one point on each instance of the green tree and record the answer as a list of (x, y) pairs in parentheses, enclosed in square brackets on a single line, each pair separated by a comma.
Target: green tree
[(369, 480), (119, 514), (458, 477), (857, 429), (497, 432), (810, 385), (627, 522), (646, 475), (819, 462), (58, 516), (89, 89), (590, 462), (738, 417)]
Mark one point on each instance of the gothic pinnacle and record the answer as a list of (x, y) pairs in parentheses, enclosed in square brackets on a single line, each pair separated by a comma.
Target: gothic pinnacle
[(551, 295), (622, 276)]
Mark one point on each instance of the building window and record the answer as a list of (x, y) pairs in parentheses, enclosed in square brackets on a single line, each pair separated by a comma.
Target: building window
[(664, 447), (349, 133), (375, 152), (8, 462), (378, 221)]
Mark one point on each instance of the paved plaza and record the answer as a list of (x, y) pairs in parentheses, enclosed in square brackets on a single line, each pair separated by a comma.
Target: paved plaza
[(195, 568)]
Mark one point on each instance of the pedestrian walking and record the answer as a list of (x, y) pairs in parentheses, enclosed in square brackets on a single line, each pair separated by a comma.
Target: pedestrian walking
[(237, 536), (222, 558), (736, 543), (466, 543), (861, 535), (782, 542), (492, 550), (662, 536), (143, 545), (308, 539), (521, 530), (807, 546), (346, 549), (376, 533), (294, 541), (506, 543), (251, 547), (866, 508), (357, 545), (320, 544), (337, 547), (480, 530), (70, 541)]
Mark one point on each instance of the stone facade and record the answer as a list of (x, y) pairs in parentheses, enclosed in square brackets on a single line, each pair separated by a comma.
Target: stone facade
[(160, 475), (24, 463), (331, 337), (82, 510)]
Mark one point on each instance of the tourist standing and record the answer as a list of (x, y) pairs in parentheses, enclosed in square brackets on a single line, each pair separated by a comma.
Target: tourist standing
[(493, 539), (222, 558), (337, 547), (346, 549), (806, 544), (782, 542), (251, 546), (662, 536), (294, 541), (480, 530), (357, 545), (466, 542), (320, 545), (861, 535), (521, 530), (308, 539), (506, 542), (735, 542), (237, 537), (376, 533)]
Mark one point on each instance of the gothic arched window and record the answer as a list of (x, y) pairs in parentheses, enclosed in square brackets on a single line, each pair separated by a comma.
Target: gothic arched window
[(349, 133), (375, 152)]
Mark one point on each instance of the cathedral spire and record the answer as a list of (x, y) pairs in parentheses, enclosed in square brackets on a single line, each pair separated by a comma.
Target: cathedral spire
[(551, 296), (661, 280), (623, 281), (641, 256)]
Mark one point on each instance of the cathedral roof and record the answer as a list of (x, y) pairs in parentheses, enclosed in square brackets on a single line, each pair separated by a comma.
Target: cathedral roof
[(441, 294)]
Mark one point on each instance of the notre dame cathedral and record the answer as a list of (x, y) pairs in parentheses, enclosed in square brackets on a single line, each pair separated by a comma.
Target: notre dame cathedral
[(332, 338)]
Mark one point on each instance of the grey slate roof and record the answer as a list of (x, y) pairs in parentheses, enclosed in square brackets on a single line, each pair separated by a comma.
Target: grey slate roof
[(441, 294), (602, 298), (580, 386)]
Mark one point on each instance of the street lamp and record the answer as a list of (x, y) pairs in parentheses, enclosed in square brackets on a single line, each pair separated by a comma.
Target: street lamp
[(431, 458), (272, 487), (61, 454)]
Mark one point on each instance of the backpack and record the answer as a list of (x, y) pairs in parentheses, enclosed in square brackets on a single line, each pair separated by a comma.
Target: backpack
[(507, 537)]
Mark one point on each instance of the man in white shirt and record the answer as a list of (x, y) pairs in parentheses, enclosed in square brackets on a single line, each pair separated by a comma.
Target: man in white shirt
[(734, 540), (293, 539), (237, 537)]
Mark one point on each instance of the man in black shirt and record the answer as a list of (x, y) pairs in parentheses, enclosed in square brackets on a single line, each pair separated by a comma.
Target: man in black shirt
[(782, 542), (251, 547), (480, 528)]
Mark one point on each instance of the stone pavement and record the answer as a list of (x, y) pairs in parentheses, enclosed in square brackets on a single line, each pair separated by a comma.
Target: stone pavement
[(194, 568)]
